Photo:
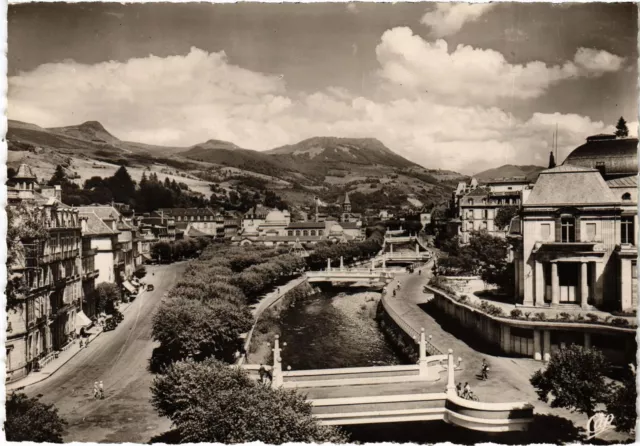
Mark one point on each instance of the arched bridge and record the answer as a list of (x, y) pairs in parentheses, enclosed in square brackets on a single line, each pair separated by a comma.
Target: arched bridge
[(425, 391)]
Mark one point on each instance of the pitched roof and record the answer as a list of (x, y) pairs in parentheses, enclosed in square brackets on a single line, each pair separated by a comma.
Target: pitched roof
[(95, 225), (570, 185), (186, 211), (24, 172), (630, 181), (105, 212), (349, 225)]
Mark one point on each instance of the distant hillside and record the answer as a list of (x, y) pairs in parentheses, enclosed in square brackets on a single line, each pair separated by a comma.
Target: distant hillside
[(336, 151), (508, 171), (324, 166)]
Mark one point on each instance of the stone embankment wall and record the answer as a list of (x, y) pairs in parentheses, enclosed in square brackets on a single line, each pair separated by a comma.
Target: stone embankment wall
[(403, 344)]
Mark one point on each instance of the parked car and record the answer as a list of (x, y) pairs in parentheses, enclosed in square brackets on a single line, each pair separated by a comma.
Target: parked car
[(150, 287)]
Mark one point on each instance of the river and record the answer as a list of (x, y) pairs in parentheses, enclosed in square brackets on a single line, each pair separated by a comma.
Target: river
[(335, 329)]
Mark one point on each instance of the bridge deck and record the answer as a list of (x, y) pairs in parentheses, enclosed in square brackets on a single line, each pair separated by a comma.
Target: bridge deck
[(409, 388)]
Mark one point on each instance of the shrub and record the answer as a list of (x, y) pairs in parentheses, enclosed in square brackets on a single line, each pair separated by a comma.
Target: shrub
[(540, 317), (592, 317), (619, 322), (464, 298), (491, 309), (580, 317), (527, 314), (565, 316), (516, 314)]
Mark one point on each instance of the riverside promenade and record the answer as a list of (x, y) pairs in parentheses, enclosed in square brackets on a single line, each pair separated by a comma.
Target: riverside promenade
[(508, 377)]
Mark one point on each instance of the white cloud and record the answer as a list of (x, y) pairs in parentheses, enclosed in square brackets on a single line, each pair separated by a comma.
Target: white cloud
[(411, 65), (183, 100), (448, 18), (597, 61)]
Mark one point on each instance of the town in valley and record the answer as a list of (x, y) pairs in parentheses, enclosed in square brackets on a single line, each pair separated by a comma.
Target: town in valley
[(321, 223)]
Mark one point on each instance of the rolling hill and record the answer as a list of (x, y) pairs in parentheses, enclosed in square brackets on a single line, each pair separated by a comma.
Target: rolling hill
[(326, 166)]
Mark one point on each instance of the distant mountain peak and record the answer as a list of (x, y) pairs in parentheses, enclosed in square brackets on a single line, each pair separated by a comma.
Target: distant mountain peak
[(89, 130)]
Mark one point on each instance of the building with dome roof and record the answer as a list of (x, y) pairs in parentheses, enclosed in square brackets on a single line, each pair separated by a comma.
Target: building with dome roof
[(613, 157), (575, 242)]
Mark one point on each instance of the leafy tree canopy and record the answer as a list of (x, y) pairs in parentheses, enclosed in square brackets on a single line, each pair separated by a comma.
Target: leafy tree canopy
[(30, 420), (622, 403), (504, 216), (211, 402), (622, 131), (574, 379)]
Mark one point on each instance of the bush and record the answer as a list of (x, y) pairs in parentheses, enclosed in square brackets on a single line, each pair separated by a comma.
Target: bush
[(516, 314), (620, 322), (565, 316), (540, 317), (491, 309), (592, 317), (527, 314)]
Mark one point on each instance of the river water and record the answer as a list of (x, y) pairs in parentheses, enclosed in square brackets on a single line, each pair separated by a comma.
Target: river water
[(335, 329)]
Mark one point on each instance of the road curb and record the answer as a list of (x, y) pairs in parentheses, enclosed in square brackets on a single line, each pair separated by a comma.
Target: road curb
[(52, 373)]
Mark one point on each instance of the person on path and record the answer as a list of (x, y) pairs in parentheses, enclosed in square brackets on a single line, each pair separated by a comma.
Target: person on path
[(96, 390), (459, 390), (419, 272), (485, 368), (262, 372), (101, 390), (467, 391)]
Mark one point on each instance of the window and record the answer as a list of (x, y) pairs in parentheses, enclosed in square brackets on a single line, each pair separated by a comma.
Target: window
[(627, 230), (485, 214), (634, 272), (321, 232), (591, 232), (470, 201), (290, 233), (626, 196), (568, 230), (484, 201), (313, 232), (509, 188), (305, 233)]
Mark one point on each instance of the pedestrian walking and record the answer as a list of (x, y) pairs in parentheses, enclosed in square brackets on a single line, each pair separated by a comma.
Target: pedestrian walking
[(81, 345), (459, 390), (419, 272), (262, 372), (484, 371), (96, 390), (101, 387), (466, 392)]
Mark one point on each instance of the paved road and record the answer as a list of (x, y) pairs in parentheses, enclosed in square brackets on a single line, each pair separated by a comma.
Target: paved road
[(119, 358)]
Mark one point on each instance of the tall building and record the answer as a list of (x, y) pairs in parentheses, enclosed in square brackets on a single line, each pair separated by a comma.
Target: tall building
[(49, 312), (575, 242)]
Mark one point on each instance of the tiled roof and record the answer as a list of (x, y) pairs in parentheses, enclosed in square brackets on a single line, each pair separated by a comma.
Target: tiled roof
[(95, 225), (105, 212), (24, 172), (186, 211), (564, 185), (630, 181)]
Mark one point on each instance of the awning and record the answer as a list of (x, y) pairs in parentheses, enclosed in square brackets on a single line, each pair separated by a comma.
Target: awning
[(146, 257), (129, 287), (82, 320)]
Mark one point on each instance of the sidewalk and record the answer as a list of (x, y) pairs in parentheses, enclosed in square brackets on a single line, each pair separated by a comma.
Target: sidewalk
[(55, 364), (63, 357), (508, 377)]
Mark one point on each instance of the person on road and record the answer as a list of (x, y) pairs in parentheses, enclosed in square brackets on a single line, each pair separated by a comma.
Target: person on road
[(96, 390), (485, 368), (419, 272), (101, 387), (262, 372), (459, 390)]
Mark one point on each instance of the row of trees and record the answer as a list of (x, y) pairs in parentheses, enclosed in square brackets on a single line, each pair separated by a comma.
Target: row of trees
[(485, 255), (179, 249), (199, 327)]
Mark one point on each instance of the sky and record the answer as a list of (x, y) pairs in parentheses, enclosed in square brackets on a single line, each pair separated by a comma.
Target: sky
[(463, 87)]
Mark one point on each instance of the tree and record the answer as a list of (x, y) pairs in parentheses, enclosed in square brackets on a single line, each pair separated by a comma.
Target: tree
[(621, 128), (622, 403), (214, 403), (574, 379), (552, 160), (504, 216), (122, 186), (30, 420), (107, 295), (200, 329), (161, 251), (59, 177)]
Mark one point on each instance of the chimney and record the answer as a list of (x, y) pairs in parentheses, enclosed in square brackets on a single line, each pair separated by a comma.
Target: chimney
[(57, 192), (83, 224)]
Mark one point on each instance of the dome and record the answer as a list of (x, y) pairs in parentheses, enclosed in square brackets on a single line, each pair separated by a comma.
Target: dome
[(614, 157), (275, 217)]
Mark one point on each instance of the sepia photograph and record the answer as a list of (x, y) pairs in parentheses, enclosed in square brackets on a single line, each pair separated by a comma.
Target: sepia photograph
[(346, 222)]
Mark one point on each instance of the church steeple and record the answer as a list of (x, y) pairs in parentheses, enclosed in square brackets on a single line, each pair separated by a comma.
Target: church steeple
[(346, 205)]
